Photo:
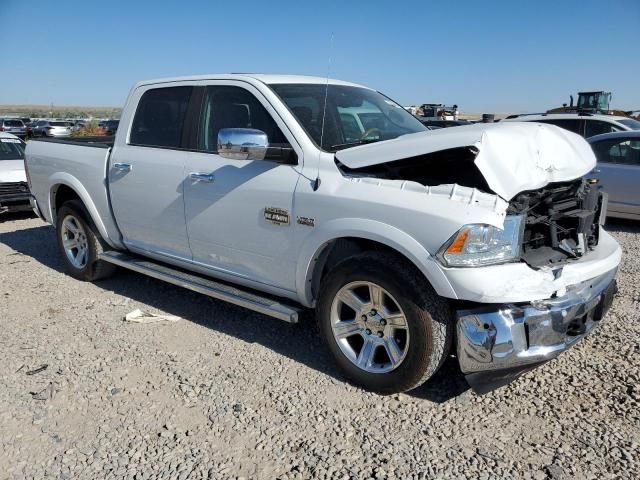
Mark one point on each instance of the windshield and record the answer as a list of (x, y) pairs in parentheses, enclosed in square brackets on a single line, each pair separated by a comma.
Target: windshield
[(631, 123), (11, 149), (13, 123), (61, 124), (354, 115)]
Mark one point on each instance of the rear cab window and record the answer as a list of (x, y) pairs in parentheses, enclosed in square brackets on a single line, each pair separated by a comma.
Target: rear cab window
[(160, 117)]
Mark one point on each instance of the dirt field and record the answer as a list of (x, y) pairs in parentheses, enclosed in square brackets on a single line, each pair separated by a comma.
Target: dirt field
[(226, 393)]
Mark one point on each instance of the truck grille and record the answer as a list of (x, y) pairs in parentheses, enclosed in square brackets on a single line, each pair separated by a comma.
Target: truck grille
[(13, 188), (561, 221)]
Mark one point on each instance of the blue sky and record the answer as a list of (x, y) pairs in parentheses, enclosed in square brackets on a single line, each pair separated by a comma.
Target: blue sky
[(486, 56)]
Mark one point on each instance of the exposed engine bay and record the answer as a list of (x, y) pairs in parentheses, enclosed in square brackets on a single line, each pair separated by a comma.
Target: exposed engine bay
[(562, 221)]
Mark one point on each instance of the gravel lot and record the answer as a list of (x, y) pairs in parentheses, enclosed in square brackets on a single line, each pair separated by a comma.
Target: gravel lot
[(226, 393)]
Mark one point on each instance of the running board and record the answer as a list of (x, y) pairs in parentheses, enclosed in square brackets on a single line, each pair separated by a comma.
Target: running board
[(204, 285)]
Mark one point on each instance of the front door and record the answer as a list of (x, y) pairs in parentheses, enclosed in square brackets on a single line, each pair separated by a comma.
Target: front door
[(239, 213), (146, 175), (618, 170)]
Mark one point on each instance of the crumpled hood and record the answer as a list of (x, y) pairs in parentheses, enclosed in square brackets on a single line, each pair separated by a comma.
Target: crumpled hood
[(12, 171), (512, 157)]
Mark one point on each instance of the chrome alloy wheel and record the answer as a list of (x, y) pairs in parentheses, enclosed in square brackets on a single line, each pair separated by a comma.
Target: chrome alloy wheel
[(74, 242), (370, 327)]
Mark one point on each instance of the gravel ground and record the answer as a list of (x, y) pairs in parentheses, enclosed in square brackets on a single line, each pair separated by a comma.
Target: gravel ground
[(226, 393)]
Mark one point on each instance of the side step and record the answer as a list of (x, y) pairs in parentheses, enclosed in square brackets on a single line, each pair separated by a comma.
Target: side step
[(204, 285)]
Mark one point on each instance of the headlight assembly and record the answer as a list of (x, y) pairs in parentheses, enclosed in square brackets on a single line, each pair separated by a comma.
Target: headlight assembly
[(478, 244)]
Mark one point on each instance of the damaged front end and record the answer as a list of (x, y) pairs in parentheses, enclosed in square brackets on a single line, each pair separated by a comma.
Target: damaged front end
[(538, 276), (532, 283), (537, 169), (562, 221)]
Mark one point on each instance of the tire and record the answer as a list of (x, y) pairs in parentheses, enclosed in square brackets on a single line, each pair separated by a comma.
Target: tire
[(74, 216), (401, 358)]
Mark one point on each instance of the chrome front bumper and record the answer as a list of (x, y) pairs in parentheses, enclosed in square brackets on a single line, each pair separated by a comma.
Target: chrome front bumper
[(498, 343)]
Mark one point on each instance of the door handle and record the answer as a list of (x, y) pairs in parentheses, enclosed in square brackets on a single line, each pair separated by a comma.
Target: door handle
[(123, 167), (595, 170), (202, 177)]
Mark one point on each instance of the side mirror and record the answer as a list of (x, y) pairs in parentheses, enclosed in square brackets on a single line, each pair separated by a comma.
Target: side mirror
[(242, 144)]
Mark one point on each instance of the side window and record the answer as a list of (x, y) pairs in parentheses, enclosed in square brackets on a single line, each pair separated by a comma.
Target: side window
[(235, 107), (626, 152), (566, 123), (160, 117), (619, 150), (606, 151), (632, 155), (596, 127)]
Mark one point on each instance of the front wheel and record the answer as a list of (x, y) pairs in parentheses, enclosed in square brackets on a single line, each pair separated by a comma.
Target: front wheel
[(385, 325), (80, 244)]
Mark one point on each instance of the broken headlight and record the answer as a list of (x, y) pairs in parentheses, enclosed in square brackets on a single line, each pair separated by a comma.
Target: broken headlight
[(479, 244)]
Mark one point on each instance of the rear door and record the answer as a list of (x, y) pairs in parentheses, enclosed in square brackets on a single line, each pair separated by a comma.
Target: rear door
[(227, 215), (618, 170), (146, 172)]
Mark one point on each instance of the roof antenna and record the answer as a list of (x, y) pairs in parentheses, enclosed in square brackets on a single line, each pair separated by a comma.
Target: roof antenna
[(316, 183)]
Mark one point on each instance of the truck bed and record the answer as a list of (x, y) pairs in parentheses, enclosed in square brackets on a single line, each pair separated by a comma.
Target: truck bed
[(78, 163)]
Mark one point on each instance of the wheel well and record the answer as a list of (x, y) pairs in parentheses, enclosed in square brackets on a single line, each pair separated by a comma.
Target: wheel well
[(337, 250), (63, 194)]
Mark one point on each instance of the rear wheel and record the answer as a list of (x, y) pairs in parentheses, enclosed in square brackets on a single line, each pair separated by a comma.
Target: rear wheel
[(385, 325), (80, 244)]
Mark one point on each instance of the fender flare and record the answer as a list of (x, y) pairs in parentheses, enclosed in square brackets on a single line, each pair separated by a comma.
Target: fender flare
[(366, 229), (62, 178)]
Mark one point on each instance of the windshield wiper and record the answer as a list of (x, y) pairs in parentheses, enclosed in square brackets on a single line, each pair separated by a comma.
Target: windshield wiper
[(353, 144)]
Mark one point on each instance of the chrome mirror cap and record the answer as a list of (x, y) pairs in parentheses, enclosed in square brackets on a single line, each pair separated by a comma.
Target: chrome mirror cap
[(242, 143)]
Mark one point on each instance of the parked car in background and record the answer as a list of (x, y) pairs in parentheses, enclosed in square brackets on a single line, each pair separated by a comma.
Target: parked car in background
[(110, 127), (78, 125), (15, 126), (47, 128), (406, 242), (585, 124), (618, 171), (14, 191)]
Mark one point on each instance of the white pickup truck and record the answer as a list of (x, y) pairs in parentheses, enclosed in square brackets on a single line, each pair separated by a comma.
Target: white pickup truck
[(282, 192)]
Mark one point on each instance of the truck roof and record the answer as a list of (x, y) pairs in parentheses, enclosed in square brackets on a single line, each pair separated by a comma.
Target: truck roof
[(264, 78)]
